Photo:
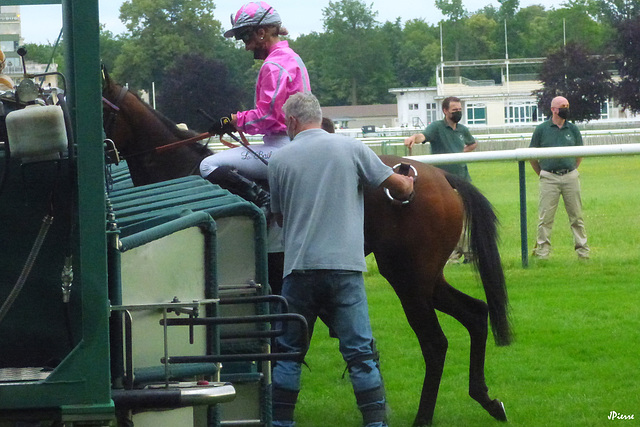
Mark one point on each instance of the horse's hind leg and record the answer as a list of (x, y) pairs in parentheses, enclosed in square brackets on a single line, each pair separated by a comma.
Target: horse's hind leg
[(424, 322), (472, 313)]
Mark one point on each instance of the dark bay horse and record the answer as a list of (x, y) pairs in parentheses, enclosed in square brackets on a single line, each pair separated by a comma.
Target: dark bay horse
[(411, 242)]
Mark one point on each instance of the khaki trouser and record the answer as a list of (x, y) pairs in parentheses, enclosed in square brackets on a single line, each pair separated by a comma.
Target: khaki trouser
[(553, 186)]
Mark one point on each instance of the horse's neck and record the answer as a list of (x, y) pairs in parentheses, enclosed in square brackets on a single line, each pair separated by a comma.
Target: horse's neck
[(151, 132)]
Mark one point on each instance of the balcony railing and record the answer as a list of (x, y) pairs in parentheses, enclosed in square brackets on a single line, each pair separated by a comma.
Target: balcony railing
[(32, 68)]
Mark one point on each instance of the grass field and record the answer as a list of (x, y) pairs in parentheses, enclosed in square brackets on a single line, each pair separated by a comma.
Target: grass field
[(577, 324)]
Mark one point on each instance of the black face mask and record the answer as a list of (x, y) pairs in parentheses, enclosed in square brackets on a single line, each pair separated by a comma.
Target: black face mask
[(456, 116), (563, 113)]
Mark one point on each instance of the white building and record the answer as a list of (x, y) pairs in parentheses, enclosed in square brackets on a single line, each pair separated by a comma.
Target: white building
[(505, 101), (359, 116)]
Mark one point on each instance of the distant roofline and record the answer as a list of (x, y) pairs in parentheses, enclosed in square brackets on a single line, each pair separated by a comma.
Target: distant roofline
[(412, 89)]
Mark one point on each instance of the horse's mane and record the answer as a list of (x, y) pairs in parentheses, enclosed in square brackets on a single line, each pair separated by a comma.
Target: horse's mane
[(171, 125)]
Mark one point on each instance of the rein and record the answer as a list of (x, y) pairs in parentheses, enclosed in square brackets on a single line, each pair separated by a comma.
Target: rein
[(174, 145), (170, 146)]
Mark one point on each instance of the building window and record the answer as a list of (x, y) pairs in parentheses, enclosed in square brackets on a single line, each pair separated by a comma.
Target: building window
[(413, 106), (7, 46), (476, 114), (604, 110), (522, 112), (431, 112)]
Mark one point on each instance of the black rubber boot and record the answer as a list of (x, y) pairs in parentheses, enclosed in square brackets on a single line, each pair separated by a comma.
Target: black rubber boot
[(229, 179)]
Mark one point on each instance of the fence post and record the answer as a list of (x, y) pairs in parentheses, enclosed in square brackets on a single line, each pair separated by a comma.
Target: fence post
[(523, 216)]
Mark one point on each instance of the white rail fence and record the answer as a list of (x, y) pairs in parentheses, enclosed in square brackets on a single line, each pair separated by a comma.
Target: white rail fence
[(525, 154), (610, 142)]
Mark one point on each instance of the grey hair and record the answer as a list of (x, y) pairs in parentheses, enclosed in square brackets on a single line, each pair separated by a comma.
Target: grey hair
[(304, 106)]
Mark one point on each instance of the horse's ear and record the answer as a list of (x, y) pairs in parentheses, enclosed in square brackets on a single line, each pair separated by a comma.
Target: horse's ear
[(106, 80)]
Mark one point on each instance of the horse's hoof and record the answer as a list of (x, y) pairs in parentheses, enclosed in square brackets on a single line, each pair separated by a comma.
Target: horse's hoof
[(497, 411), (421, 422)]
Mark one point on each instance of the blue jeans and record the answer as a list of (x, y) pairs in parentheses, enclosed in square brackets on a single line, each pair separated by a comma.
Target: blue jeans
[(340, 297)]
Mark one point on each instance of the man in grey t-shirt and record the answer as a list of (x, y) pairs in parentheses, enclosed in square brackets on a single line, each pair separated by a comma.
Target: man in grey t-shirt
[(316, 187)]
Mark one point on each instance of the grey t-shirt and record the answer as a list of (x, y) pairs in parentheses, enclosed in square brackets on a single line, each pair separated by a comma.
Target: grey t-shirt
[(316, 182)]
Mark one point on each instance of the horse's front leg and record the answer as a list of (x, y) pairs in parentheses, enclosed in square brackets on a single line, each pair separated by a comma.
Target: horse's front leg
[(472, 313)]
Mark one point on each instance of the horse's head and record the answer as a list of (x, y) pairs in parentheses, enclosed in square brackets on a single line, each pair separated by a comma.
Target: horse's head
[(139, 130), (114, 120)]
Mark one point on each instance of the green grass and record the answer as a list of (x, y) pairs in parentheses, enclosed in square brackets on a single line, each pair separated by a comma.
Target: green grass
[(577, 325)]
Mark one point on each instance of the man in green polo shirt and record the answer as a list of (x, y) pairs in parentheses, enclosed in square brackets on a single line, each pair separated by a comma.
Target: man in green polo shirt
[(558, 177), (448, 136)]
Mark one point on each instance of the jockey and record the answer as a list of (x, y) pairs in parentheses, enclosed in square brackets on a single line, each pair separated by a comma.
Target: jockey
[(6, 83), (282, 74)]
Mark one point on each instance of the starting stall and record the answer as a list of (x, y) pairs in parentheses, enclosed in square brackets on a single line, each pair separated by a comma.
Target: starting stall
[(122, 305), (54, 357)]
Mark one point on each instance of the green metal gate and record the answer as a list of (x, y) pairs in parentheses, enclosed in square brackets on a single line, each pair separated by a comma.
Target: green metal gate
[(75, 388)]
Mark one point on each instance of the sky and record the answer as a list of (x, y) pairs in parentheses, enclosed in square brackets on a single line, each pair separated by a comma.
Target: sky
[(41, 24)]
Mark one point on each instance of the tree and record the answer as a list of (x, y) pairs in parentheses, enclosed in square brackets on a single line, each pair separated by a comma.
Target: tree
[(628, 90), (418, 54), (452, 8), (581, 78), (355, 63), (453, 30), (624, 15), (529, 33), (617, 11), (508, 9), (110, 48), (184, 93), (161, 31), (484, 43), (46, 54)]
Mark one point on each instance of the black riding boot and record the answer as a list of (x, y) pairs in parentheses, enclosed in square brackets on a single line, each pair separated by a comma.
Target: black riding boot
[(372, 405), (283, 404), (229, 178)]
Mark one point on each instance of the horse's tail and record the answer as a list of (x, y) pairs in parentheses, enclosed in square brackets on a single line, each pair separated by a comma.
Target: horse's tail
[(482, 230)]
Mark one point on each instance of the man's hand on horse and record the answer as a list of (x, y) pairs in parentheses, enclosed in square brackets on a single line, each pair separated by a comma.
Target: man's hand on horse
[(222, 126)]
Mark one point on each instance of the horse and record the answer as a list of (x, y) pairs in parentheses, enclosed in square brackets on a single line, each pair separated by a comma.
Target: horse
[(411, 242)]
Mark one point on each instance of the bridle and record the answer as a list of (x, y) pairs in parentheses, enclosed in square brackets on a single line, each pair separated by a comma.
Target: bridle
[(114, 109)]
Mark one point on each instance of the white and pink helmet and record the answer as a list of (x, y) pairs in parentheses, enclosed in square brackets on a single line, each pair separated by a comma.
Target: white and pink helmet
[(253, 14)]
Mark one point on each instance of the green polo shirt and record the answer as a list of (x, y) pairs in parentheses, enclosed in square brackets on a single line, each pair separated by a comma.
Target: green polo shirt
[(446, 140), (548, 134)]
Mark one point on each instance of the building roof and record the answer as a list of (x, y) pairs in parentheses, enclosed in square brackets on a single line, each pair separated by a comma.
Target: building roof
[(412, 89), (360, 111)]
